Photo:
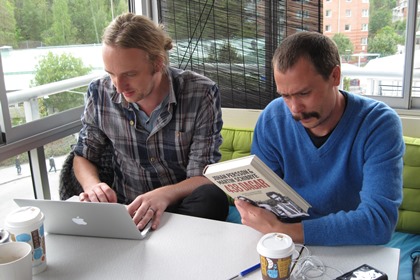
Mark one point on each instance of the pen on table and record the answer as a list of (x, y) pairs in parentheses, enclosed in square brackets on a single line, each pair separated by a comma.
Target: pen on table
[(246, 271)]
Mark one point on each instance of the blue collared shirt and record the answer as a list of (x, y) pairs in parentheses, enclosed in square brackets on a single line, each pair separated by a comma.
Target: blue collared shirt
[(184, 139)]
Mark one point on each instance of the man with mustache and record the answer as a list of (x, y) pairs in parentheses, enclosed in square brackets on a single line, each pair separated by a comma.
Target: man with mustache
[(340, 151), (163, 125)]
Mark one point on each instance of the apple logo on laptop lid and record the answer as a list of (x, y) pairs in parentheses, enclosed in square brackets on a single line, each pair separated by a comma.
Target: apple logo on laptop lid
[(79, 221)]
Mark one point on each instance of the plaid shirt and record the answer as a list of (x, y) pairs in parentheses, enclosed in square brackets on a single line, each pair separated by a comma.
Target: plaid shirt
[(186, 136)]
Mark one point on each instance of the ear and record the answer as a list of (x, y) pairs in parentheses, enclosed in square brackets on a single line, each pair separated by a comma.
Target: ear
[(336, 75), (158, 65)]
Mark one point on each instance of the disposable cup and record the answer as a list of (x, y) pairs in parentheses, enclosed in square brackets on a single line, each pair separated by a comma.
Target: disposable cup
[(15, 261), (275, 250), (26, 224)]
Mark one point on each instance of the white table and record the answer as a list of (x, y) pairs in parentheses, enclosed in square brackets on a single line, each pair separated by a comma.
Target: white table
[(186, 248)]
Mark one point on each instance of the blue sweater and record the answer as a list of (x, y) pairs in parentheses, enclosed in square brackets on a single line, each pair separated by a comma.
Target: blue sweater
[(353, 181)]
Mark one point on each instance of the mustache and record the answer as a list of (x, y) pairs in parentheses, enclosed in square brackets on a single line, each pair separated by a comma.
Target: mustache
[(304, 116)]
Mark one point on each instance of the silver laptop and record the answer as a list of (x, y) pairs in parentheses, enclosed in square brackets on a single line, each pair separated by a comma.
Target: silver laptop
[(110, 220)]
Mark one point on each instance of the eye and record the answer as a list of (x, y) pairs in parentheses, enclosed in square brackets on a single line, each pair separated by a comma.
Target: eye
[(285, 96), (302, 94), (131, 74)]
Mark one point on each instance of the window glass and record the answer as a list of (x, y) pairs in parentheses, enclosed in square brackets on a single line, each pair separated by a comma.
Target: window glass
[(15, 181), (372, 56), (348, 13), (415, 89), (232, 42), (328, 28), (365, 27), (15, 174), (49, 41)]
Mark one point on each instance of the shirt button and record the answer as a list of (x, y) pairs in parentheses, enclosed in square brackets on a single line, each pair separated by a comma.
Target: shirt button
[(152, 159), (131, 122)]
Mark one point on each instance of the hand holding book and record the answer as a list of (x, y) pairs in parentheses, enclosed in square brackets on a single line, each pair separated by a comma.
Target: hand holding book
[(248, 178)]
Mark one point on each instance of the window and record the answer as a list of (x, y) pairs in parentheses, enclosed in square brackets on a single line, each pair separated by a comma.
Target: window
[(365, 13), (347, 27), (364, 41), (327, 28), (348, 13), (232, 42), (58, 40), (328, 13), (365, 27), (302, 14)]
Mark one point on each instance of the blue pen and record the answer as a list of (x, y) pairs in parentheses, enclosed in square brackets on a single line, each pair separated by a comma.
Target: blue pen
[(246, 271)]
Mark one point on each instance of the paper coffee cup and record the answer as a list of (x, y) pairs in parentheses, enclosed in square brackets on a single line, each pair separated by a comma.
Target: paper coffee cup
[(26, 224), (275, 250), (15, 261)]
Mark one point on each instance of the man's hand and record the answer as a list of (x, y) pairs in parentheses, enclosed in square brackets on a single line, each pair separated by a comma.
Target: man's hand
[(99, 193), (258, 218), (265, 221), (150, 205)]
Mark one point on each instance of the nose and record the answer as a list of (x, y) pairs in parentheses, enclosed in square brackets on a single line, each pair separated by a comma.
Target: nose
[(295, 105), (119, 83)]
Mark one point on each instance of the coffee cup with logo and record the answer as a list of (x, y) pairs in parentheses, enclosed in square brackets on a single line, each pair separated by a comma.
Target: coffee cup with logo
[(15, 261), (26, 224), (275, 250)]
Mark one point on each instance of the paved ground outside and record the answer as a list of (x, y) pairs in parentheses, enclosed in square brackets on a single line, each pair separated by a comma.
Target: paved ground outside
[(13, 185)]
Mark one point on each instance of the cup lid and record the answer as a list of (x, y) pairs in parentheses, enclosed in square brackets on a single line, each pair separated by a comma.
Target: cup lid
[(275, 245), (23, 217)]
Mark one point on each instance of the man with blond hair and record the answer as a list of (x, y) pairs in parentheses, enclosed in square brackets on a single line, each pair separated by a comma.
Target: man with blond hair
[(162, 123)]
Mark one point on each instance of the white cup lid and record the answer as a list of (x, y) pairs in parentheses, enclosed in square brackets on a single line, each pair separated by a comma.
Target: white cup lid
[(275, 245), (24, 217)]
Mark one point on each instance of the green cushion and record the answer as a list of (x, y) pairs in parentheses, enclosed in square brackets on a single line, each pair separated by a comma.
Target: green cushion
[(236, 142), (409, 213)]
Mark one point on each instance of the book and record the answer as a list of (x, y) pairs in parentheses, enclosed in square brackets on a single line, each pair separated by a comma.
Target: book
[(250, 179)]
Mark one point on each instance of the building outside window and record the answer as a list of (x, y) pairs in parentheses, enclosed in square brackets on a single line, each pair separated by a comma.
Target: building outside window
[(348, 13)]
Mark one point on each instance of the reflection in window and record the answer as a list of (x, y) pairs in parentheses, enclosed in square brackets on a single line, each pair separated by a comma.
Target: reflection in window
[(57, 40), (233, 42)]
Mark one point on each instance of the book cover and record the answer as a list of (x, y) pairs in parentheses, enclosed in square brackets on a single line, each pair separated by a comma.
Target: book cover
[(250, 179)]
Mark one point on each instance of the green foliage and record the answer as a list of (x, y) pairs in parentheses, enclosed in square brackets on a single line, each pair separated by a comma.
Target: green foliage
[(62, 31), (7, 23), (62, 22), (385, 42), (344, 44), (400, 27), (224, 54), (346, 83), (32, 18), (53, 68), (380, 15)]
